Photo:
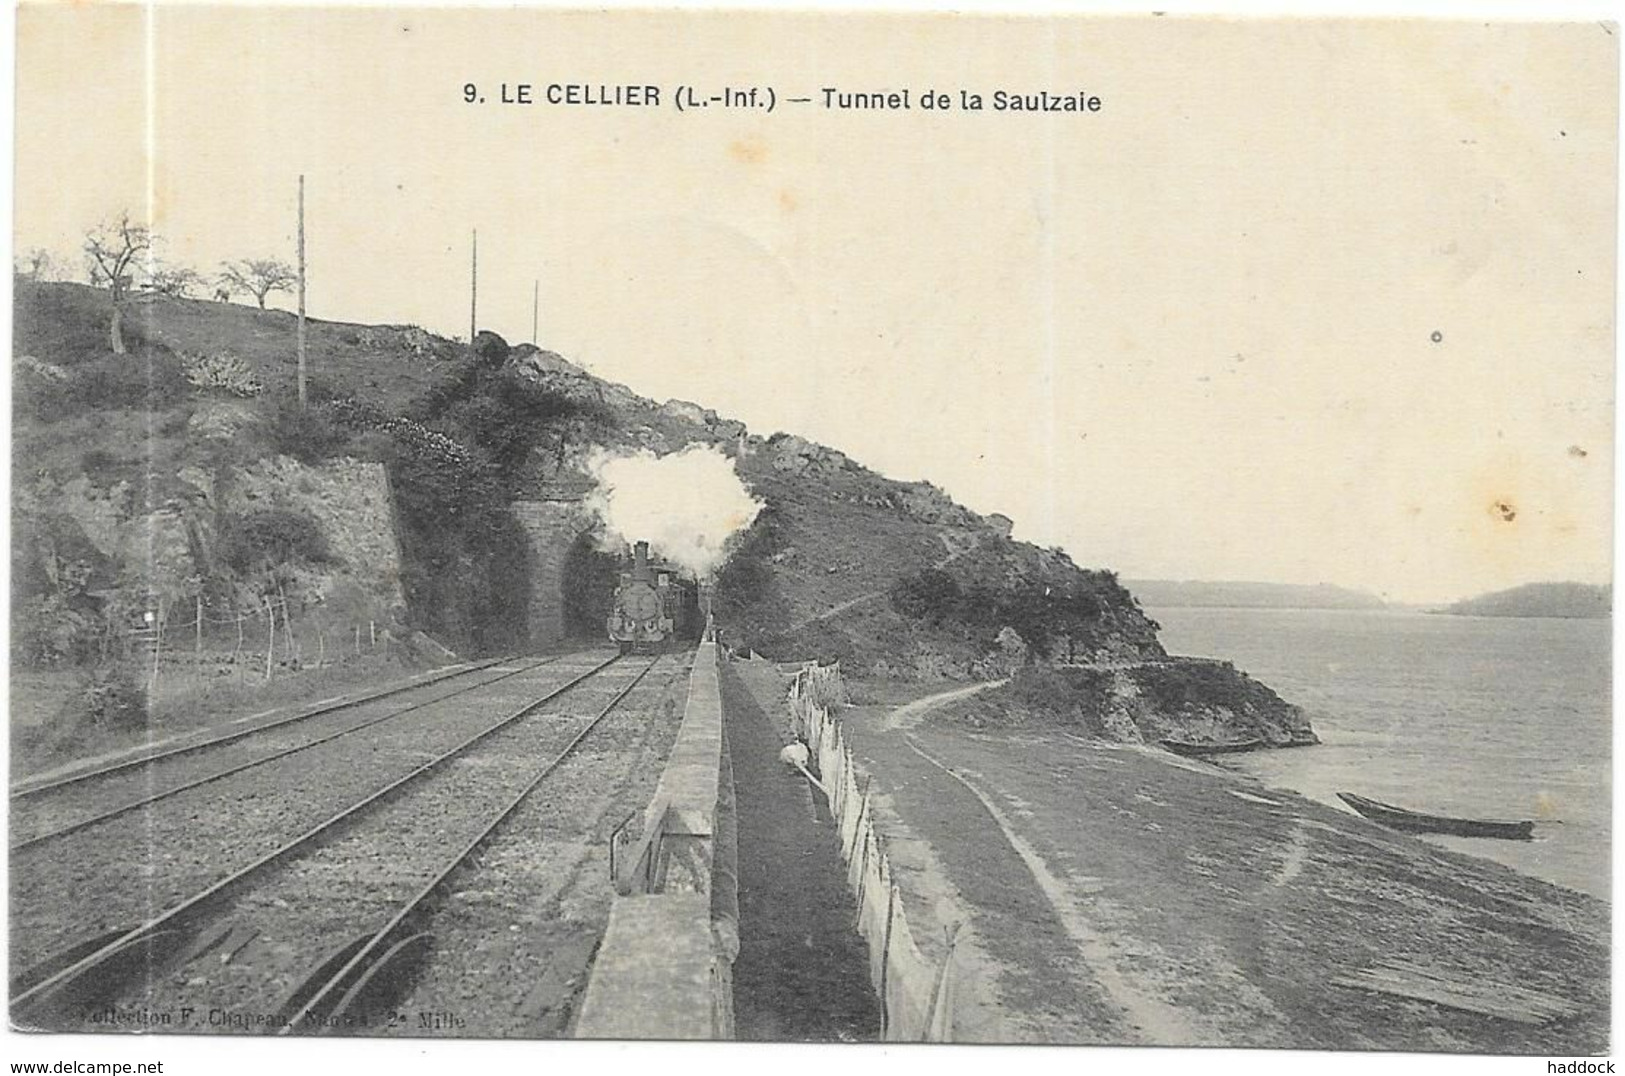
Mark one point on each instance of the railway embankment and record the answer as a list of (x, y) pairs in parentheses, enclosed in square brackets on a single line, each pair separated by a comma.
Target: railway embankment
[(1101, 892)]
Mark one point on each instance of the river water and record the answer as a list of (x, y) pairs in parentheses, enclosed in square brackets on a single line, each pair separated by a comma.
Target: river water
[(1468, 716)]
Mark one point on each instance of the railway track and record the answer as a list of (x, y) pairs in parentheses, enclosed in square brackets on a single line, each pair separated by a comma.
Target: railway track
[(101, 880), (515, 938), (100, 795), (181, 745), (237, 955)]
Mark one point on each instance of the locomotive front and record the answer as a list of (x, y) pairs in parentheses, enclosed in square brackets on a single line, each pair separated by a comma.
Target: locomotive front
[(641, 617)]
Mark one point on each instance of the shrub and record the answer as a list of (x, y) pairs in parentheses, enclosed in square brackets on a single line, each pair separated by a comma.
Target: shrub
[(48, 630), (223, 372), (152, 378), (931, 594), (115, 697), (1185, 685), (308, 434)]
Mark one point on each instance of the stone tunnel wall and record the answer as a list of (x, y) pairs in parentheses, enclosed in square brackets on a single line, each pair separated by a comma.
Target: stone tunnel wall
[(552, 527)]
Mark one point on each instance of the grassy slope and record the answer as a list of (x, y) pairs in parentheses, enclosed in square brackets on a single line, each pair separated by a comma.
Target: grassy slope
[(66, 324)]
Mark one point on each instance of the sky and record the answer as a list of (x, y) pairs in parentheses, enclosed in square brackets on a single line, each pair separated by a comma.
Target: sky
[(1305, 301)]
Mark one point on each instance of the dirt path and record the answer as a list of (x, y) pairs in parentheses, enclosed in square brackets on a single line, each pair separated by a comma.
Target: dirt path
[(911, 714), (803, 972), (953, 554), (1153, 1020)]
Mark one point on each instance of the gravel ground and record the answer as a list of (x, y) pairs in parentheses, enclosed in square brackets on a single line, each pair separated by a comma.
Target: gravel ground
[(517, 932), (350, 885), (47, 811), (120, 872)]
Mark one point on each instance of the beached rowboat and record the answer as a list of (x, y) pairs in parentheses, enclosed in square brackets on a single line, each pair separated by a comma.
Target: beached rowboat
[(1417, 822)]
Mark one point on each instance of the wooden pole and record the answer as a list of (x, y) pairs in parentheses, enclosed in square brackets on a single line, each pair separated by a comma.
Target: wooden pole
[(885, 958), (270, 639), (535, 311), (302, 391), (473, 287), (197, 643), (157, 651)]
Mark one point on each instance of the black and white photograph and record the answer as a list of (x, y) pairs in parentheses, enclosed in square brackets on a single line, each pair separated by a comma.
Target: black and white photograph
[(810, 526)]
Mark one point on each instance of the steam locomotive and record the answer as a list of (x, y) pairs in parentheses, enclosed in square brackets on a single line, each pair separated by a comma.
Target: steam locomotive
[(646, 606)]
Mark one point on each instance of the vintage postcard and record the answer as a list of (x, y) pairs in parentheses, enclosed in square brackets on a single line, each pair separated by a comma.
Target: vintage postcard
[(828, 527)]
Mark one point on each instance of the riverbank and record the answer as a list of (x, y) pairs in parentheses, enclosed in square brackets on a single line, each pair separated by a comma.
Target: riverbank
[(1114, 894)]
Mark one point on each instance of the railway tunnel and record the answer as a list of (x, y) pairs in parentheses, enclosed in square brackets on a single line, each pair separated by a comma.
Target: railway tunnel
[(587, 589)]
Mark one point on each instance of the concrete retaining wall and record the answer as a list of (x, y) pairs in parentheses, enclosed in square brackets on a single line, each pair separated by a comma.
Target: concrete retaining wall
[(664, 968)]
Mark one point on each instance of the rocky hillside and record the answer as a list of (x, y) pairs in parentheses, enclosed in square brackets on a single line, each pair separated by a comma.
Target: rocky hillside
[(395, 488), (1191, 699), (889, 577)]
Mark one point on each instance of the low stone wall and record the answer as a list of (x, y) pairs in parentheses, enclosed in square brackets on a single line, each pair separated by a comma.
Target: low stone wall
[(664, 968)]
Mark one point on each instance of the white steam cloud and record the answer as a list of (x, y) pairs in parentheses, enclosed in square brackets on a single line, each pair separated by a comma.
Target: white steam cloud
[(686, 505)]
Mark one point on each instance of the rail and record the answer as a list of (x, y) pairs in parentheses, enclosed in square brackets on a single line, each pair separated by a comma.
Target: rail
[(31, 786), (134, 942), (173, 790)]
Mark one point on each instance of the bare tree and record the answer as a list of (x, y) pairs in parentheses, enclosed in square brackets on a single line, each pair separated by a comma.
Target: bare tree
[(259, 276), (112, 250), (175, 281), (36, 264)]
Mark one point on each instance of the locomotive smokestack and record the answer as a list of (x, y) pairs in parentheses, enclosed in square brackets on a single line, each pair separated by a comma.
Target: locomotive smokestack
[(640, 553)]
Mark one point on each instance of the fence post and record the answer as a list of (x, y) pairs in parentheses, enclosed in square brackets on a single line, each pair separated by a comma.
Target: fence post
[(863, 882), (287, 622), (940, 988), (863, 811), (885, 961), (157, 651), (270, 637), (372, 632)]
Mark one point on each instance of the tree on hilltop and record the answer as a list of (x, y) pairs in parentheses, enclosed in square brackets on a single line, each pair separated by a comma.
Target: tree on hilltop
[(175, 281), (36, 264), (259, 276), (112, 249)]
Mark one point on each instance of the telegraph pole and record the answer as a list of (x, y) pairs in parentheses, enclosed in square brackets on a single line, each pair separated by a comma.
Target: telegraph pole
[(301, 291), (535, 308), (473, 287)]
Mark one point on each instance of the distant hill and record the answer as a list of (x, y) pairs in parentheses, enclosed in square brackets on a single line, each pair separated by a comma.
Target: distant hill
[(1583, 601), (1199, 594)]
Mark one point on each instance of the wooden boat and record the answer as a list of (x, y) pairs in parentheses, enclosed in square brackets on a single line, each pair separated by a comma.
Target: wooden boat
[(1417, 822), (1196, 750)]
